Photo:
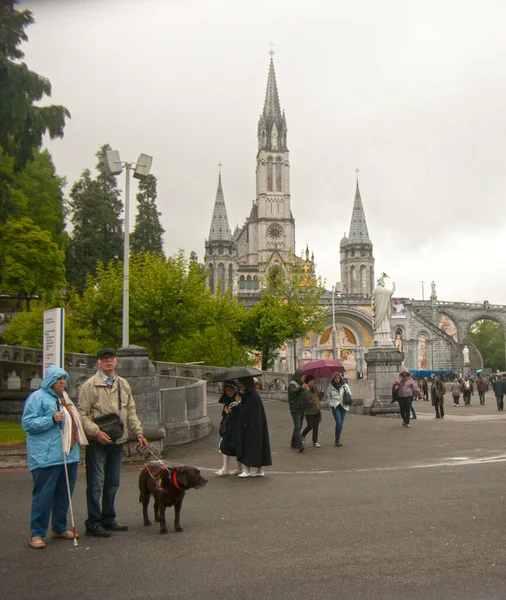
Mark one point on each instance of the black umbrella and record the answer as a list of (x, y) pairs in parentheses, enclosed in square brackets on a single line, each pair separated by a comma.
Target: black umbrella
[(236, 373)]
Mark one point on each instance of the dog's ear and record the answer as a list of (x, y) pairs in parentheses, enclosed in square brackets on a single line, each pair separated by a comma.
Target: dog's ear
[(182, 476)]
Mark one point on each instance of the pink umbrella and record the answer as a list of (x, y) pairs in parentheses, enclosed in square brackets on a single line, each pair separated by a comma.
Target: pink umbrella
[(320, 369)]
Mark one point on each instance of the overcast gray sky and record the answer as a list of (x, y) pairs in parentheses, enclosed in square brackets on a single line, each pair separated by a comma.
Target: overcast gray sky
[(411, 93)]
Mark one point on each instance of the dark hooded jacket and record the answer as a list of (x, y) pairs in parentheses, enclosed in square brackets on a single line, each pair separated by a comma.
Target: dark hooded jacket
[(252, 435), (297, 398)]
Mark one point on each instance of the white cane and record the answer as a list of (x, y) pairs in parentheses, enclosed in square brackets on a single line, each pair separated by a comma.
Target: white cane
[(74, 533)]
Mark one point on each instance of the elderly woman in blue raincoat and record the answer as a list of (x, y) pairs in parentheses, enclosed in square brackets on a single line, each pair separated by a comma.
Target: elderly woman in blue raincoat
[(53, 426), (338, 397)]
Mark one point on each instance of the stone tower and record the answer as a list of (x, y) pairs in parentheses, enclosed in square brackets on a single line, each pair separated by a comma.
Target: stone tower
[(221, 251), (268, 236), (357, 260)]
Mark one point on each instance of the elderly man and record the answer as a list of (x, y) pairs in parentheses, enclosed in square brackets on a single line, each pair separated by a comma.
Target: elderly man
[(105, 394)]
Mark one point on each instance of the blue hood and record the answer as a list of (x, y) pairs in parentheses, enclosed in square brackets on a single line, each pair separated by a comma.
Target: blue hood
[(52, 374)]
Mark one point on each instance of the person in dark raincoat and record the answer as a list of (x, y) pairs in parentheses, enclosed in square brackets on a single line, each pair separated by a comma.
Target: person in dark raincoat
[(252, 436), (228, 426)]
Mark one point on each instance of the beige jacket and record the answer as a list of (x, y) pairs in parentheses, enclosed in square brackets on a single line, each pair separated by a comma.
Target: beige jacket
[(97, 398)]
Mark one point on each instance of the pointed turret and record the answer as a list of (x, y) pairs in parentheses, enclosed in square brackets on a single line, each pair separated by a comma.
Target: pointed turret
[(358, 227), (220, 231), (356, 251), (221, 249)]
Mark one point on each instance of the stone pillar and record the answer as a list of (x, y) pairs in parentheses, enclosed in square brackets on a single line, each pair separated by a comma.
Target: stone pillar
[(384, 365), (134, 365)]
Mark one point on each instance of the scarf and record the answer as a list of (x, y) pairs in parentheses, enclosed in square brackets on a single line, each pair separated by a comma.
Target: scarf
[(72, 426)]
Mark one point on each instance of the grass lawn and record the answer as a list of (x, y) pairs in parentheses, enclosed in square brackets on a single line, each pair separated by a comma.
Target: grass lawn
[(11, 433)]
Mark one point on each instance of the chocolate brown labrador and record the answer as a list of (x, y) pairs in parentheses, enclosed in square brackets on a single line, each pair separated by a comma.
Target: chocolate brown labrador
[(167, 485)]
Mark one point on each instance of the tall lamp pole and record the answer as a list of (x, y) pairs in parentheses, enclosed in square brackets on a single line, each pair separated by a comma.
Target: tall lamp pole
[(335, 288), (114, 166), (423, 294)]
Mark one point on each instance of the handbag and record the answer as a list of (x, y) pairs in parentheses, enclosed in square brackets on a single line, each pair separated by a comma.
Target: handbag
[(347, 399), (110, 423)]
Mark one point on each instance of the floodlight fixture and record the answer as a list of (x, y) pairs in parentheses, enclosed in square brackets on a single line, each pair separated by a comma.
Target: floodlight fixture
[(143, 166), (112, 162)]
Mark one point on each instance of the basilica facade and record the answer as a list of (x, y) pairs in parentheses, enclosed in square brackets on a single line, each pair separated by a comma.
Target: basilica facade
[(236, 261)]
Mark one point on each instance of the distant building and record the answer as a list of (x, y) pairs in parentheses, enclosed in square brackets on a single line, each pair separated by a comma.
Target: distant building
[(239, 260)]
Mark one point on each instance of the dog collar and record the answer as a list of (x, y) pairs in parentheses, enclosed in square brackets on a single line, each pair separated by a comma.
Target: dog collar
[(174, 481)]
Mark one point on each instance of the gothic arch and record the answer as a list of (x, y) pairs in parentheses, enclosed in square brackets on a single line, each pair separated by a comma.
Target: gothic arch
[(211, 278), (363, 279), (220, 277)]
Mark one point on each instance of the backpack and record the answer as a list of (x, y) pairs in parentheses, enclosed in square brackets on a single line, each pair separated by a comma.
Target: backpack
[(467, 385)]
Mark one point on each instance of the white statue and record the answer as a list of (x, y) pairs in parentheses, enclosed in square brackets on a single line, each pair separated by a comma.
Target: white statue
[(433, 290), (465, 352), (382, 310)]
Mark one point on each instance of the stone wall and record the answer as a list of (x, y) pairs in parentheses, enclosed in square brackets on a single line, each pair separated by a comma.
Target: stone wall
[(183, 406)]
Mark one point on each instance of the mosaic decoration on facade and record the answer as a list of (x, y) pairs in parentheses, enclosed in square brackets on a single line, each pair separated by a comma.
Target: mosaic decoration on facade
[(447, 325)]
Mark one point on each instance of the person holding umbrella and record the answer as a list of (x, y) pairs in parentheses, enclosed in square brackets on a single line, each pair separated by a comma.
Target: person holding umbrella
[(228, 426), (54, 436), (339, 399), (252, 435)]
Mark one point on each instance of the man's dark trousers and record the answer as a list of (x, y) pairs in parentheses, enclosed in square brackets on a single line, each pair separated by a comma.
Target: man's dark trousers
[(298, 420), (103, 469)]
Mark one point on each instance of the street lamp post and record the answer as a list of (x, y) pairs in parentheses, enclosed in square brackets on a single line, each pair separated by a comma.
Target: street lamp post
[(114, 166), (335, 288)]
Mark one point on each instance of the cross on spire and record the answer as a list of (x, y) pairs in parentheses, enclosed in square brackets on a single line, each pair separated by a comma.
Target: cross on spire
[(357, 171), (219, 166), (272, 51)]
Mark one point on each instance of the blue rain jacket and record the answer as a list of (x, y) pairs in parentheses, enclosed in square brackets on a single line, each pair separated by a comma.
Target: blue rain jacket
[(43, 435)]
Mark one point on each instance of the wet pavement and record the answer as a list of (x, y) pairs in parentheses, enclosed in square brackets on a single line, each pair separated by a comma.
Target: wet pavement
[(393, 513)]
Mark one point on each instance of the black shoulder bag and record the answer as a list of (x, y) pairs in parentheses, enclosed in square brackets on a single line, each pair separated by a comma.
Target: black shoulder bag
[(110, 423)]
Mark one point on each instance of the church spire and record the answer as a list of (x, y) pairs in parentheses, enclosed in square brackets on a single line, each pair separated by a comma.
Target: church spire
[(220, 230), (358, 227), (271, 104), (272, 123)]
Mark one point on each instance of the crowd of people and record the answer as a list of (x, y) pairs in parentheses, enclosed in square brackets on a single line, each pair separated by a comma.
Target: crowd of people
[(406, 389), (56, 429)]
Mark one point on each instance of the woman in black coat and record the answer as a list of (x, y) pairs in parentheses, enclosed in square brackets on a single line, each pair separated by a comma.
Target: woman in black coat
[(252, 442), (228, 426)]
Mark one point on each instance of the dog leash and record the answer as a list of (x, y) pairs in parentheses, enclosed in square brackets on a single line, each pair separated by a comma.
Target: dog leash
[(172, 472)]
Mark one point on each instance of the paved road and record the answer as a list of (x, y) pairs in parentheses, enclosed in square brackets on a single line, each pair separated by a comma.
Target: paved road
[(393, 514)]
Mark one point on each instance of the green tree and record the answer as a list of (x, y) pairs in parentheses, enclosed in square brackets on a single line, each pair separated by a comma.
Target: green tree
[(95, 209), (23, 122), (216, 342), (265, 328), (169, 302), (300, 291), (488, 337), (32, 262), (148, 233), (38, 194)]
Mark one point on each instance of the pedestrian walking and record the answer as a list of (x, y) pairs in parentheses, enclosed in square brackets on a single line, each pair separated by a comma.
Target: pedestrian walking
[(54, 436), (467, 390), (338, 397), (253, 444), (228, 427), (425, 389), (313, 413), (297, 401), (482, 387), (499, 387), (406, 390), (437, 394), (106, 393), (456, 390)]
